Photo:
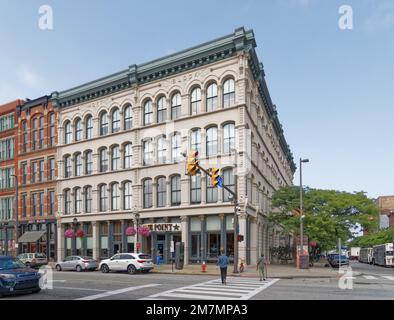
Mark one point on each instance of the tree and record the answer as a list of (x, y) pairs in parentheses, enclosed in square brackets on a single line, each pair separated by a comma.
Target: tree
[(372, 239), (329, 214)]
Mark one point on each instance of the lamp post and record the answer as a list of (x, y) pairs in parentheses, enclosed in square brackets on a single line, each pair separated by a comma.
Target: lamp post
[(301, 208), (16, 213), (137, 218), (74, 246)]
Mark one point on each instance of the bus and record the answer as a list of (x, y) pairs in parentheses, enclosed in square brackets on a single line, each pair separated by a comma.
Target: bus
[(366, 255), (383, 255)]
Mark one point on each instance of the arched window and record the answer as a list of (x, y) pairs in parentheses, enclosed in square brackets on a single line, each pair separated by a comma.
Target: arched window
[(176, 147), (78, 200), (228, 93), (68, 134), (161, 110), (78, 130), (148, 112), (128, 118), (67, 201), (176, 106), (103, 198), (67, 167), (78, 164), (115, 156), (212, 97), (148, 193), (148, 152), (88, 162), (229, 181), (195, 189), (103, 160), (128, 196), (212, 142), (195, 140), (128, 155), (89, 127), (195, 102), (88, 199), (115, 121), (104, 124), (115, 197), (176, 190), (161, 192), (161, 150), (228, 138)]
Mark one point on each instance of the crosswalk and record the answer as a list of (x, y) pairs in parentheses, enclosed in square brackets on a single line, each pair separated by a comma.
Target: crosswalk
[(357, 276), (234, 289)]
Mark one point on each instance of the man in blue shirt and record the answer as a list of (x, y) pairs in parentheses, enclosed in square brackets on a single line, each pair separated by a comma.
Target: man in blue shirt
[(223, 262)]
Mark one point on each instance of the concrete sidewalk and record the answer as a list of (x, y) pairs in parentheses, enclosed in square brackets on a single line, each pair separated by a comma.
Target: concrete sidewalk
[(273, 271)]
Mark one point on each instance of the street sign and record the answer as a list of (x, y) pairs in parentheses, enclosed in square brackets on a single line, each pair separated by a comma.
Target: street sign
[(172, 247), (138, 245)]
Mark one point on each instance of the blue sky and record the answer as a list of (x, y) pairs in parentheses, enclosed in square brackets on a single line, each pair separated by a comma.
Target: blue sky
[(334, 89)]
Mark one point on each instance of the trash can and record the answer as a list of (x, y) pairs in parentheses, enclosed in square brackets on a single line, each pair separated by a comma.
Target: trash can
[(303, 261)]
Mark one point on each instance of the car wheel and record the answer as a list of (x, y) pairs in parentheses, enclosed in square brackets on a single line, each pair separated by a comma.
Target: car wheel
[(78, 268), (131, 269), (104, 268), (58, 268)]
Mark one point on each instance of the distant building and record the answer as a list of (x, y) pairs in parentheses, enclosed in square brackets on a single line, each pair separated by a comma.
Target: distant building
[(386, 210)]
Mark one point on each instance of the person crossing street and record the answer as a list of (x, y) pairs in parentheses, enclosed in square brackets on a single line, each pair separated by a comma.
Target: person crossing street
[(223, 262), (262, 268)]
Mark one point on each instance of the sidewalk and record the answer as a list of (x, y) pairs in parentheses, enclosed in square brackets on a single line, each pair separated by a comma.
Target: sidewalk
[(274, 271)]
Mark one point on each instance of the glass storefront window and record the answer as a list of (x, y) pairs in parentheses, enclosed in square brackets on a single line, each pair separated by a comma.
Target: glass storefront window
[(213, 223), (230, 244), (195, 245), (195, 224), (229, 223), (213, 245)]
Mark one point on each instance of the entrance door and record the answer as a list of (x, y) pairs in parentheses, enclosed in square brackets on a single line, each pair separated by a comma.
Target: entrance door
[(117, 248), (160, 244)]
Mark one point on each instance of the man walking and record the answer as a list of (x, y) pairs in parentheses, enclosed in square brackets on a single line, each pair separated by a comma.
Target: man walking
[(223, 262), (262, 268)]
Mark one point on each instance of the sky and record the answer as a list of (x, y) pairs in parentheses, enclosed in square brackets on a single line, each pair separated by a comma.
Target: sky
[(333, 88)]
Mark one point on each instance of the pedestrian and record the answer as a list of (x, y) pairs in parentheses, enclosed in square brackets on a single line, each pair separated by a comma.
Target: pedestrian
[(262, 268), (223, 262), (158, 258)]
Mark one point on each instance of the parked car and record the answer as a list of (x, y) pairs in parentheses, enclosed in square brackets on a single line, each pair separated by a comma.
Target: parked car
[(16, 278), (33, 260), (77, 263), (339, 260), (130, 262)]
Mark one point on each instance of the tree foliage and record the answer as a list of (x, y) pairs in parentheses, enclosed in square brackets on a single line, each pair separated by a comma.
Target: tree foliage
[(372, 239), (329, 214)]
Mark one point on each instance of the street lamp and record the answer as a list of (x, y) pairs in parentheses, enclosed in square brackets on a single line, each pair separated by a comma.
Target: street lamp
[(137, 219), (16, 212), (75, 225), (301, 208)]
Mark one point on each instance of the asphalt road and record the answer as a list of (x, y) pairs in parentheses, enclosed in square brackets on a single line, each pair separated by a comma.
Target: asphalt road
[(368, 282)]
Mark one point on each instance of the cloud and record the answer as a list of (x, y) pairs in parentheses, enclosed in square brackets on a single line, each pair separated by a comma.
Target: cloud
[(29, 78)]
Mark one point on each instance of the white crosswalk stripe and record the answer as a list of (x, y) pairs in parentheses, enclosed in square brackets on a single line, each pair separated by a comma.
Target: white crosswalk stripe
[(375, 277), (234, 289), (370, 277)]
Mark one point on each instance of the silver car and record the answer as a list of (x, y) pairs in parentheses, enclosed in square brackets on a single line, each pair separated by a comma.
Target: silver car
[(77, 263)]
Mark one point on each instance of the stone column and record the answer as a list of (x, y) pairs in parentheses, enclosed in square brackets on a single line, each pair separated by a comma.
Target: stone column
[(95, 240), (253, 240), (60, 241), (168, 193), (185, 237), (110, 239), (242, 221), (168, 106)]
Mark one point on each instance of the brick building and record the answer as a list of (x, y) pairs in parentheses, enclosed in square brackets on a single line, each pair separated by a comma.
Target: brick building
[(8, 167), (37, 176), (386, 210)]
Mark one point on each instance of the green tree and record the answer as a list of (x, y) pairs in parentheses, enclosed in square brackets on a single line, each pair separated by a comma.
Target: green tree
[(329, 214), (369, 240)]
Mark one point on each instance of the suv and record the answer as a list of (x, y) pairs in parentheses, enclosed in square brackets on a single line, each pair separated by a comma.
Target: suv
[(130, 262), (33, 260)]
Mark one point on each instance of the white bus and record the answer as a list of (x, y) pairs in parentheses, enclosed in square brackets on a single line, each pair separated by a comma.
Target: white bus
[(366, 255), (383, 255)]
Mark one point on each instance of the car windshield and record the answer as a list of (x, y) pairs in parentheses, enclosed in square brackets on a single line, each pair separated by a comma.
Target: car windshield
[(342, 257), (10, 264), (40, 256)]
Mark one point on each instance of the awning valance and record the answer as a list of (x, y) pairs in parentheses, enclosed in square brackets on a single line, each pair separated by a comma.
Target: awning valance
[(31, 236)]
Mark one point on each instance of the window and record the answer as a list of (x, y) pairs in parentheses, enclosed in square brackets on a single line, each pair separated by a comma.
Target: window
[(78, 200), (176, 106), (212, 142), (161, 150), (115, 121), (103, 160), (228, 138), (148, 152), (51, 201), (128, 156), (7, 149), (7, 178), (212, 97), (88, 199), (67, 202), (212, 192), (34, 204), (161, 110), (104, 124), (7, 122), (148, 193), (161, 192), (24, 205), (128, 196), (195, 140), (6, 208), (78, 164), (41, 171), (228, 93), (34, 134), (229, 181), (195, 189), (67, 167), (24, 173), (41, 133), (88, 162), (115, 155), (89, 127), (51, 170), (148, 112), (24, 136), (103, 198), (176, 190), (78, 130), (195, 102), (175, 147), (115, 197), (67, 133), (52, 130), (128, 118)]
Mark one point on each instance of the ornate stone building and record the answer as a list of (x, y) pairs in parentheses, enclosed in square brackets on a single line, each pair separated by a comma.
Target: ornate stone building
[(120, 162)]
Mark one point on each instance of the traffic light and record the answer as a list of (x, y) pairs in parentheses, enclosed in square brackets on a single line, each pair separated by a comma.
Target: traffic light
[(240, 238), (215, 178), (193, 165)]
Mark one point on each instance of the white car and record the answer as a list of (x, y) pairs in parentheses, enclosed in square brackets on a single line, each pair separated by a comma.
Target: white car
[(130, 262)]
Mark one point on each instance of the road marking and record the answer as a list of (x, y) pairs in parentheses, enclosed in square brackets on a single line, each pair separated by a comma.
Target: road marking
[(234, 289), (115, 292), (80, 289), (370, 277), (389, 277)]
